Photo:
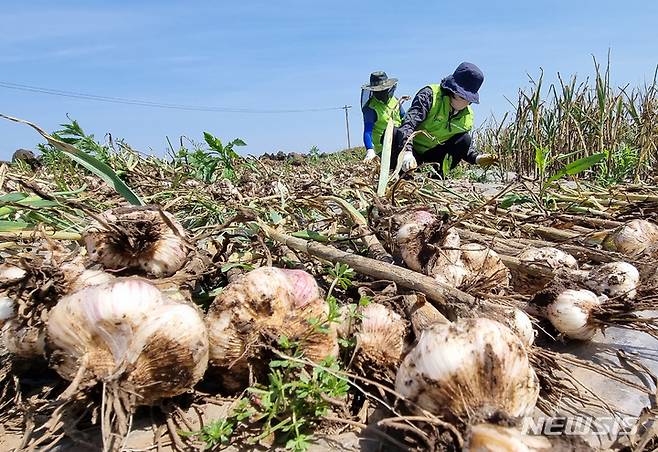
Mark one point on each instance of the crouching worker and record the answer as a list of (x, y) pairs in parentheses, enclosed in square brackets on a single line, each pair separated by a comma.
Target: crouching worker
[(442, 111), (378, 106)]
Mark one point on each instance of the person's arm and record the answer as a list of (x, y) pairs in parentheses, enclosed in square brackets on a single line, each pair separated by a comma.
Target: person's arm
[(416, 114), (369, 119), (401, 111)]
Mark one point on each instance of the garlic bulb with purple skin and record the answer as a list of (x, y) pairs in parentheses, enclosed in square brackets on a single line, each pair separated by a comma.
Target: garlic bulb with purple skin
[(265, 303), (469, 368), (139, 238)]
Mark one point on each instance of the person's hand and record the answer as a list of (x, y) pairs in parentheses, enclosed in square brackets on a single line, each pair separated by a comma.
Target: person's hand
[(408, 161), (370, 154), (486, 159)]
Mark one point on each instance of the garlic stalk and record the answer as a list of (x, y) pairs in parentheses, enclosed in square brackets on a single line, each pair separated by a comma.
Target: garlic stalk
[(128, 335), (571, 313), (143, 238), (470, 368), (421, 313)]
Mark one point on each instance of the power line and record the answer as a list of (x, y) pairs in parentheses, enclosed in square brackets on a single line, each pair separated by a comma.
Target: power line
[(144, 103)]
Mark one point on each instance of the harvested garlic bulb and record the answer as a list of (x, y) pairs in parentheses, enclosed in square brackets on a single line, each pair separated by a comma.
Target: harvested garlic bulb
[(485, 268), (316, 344), (513, 318), (522, 326), (127, 333), (527, 282), (473, 367), (445, 264), (550, 257), (447, 271), (77, 276), (7, 308), (410, 237), (21, 341), (615, 279), (571, 313), (267, 301), (632, 238), (137, 238), (11, 273), (347, 321), (495, 438), (380, 339)]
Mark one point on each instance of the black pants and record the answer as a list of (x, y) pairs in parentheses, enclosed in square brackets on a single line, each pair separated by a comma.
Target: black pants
[(456, 146)]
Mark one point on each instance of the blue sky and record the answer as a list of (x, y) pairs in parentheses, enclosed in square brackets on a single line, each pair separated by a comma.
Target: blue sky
[(290, 55)]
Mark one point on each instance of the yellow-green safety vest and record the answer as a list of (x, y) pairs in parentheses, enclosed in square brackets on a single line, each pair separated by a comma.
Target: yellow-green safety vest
[(384, 111), (437, 125)]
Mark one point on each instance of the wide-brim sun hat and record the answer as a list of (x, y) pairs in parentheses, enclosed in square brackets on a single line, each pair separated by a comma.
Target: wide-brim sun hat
[(379, 81), (465, 82)]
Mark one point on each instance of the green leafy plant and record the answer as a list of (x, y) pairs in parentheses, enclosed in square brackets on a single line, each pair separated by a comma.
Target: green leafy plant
[(620, 165), (289, 406), (225, 153), (218, 162), (544, 161), (295, 398), (314, 154), (342, 276), (73, 134)]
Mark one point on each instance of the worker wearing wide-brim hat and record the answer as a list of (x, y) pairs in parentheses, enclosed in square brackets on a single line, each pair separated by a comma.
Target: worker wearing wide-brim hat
[(378, 106), (443, 112)]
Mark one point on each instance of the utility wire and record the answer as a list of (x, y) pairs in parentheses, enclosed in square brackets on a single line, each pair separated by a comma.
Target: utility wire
[(144, 103)]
